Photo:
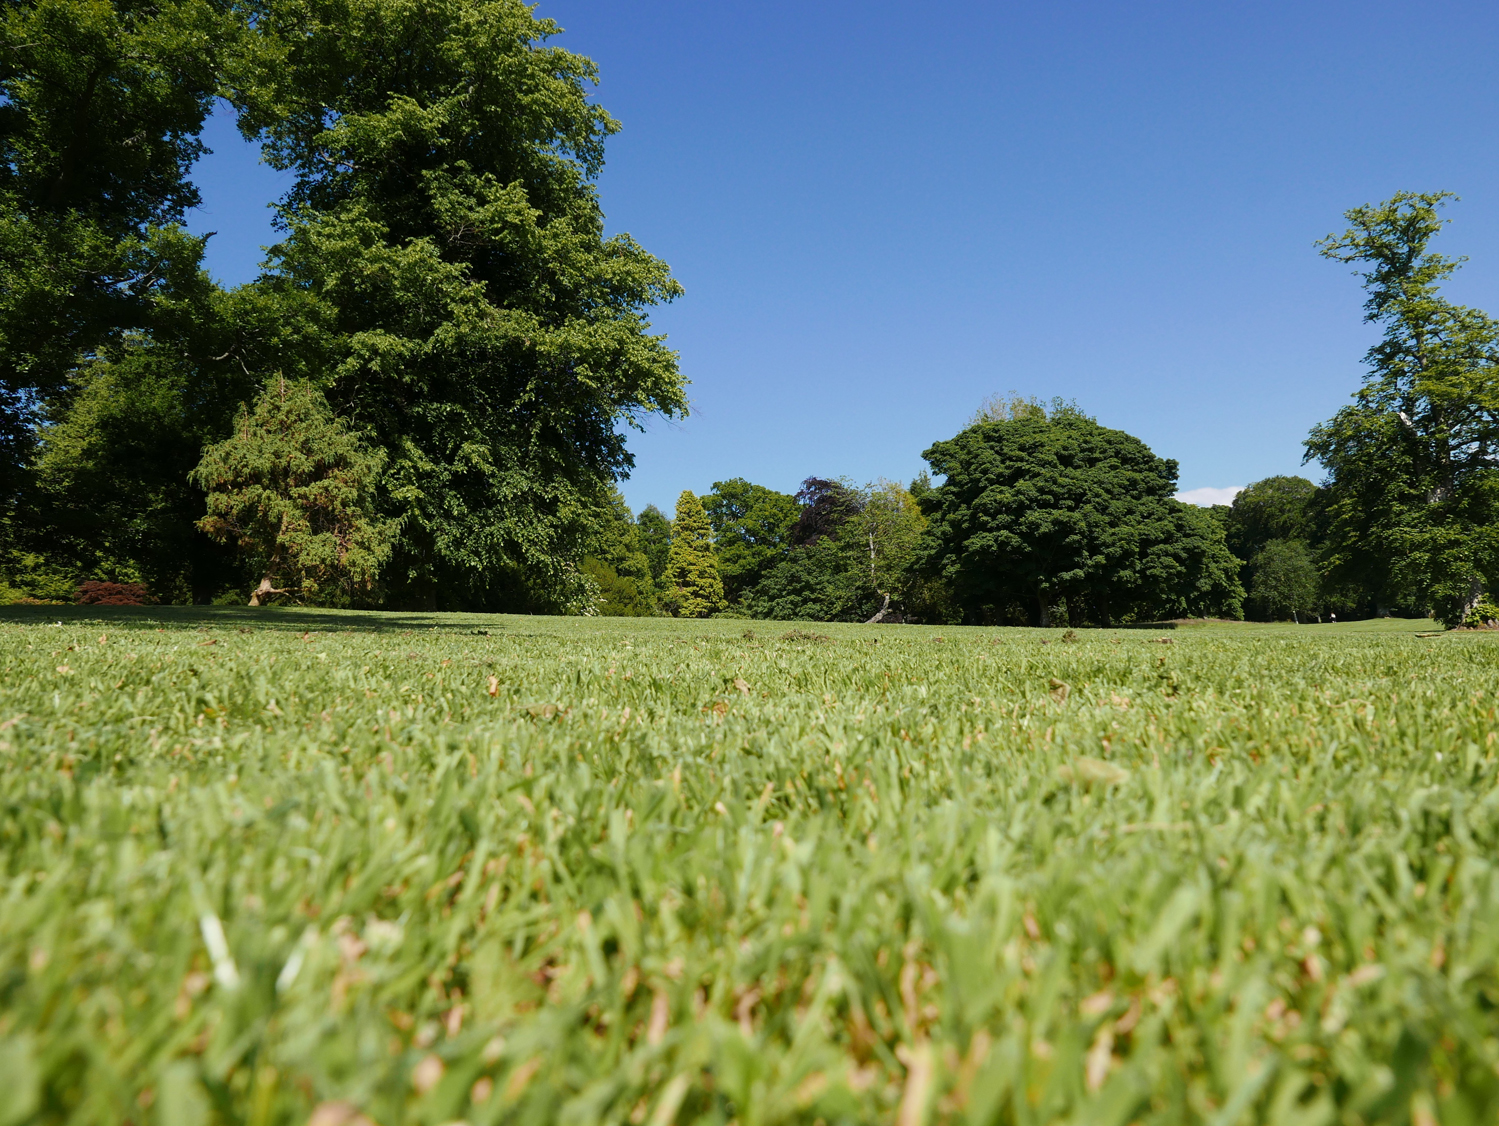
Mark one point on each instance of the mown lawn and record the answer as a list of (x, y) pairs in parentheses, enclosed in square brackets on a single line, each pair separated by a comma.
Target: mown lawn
[(281, 867)]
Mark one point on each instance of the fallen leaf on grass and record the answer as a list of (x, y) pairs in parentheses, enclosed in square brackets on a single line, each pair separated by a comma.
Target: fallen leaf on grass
[(1093, 772), (338, 1114), (1060, 690)]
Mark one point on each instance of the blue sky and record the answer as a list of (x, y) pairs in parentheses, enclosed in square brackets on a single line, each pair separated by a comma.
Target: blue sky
[(884, 213)]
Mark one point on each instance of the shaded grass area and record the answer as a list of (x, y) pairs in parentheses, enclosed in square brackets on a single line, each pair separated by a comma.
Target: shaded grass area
[(431, 868)]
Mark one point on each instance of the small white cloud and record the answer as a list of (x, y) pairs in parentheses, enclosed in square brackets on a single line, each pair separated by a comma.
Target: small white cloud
[(1210, 496)]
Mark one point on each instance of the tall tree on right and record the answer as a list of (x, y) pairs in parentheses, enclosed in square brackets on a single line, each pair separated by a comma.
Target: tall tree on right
[(1412, 476)]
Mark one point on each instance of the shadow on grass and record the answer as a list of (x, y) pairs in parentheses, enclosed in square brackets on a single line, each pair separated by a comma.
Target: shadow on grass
[(291, 618)]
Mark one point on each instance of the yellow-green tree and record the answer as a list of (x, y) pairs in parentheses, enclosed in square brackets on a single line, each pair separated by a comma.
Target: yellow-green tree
[(694, 588)]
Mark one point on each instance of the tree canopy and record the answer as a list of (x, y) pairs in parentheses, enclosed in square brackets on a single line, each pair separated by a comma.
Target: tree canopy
[(444, 279), (1049, 509), (1412, 478), (751, 528)]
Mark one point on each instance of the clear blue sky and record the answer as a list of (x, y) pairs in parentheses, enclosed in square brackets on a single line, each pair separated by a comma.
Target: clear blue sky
[(883, 213)]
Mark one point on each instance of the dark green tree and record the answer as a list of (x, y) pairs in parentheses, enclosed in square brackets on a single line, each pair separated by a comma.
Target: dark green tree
[(101, 104), (293, 488), (1045, 509), (1276, 508), (617, 563), (1285, 580), (692, 586), (113, 489), (751, 525), (1412, 485), (445, 219), (655, 535), (818, 582)]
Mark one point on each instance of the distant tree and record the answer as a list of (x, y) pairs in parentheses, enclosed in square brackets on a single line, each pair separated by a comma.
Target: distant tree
[(617, 563), (293, 488), (694, 588), (655, 535), (1053, 510), (1276, 508), (1285, 579), (825, 507), (890, 523), (860, 564), (820, 582), (1412, 503), (751, 526)]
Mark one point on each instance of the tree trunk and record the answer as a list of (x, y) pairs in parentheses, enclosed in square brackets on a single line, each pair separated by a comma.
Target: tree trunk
[(1074, 610), (880, 616), (1475, 595), (1105, 619), (1044, 608), (261, 595)]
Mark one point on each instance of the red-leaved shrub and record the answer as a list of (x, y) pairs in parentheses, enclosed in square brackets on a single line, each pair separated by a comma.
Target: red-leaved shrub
[(95, 593)]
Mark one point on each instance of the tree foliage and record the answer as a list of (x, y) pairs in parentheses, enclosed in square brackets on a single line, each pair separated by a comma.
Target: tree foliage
[(1413, 482), (101, 104), (1285, 579), (616, 561), (751, 528), (1042, 510), (293, 488), (693, 586), (655, 537), (858, 559), (444, 216)]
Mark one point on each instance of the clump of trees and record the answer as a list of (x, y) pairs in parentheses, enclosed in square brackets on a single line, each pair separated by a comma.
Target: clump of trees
[(444, 281)]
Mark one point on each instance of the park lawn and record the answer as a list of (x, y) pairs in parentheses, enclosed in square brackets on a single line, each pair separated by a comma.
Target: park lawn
[(429, 869)]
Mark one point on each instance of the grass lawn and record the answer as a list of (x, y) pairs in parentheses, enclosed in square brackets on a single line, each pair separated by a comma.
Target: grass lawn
[(281, 867)]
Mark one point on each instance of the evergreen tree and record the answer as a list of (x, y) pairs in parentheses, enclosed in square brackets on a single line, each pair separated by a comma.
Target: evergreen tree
[(694, 586), (293, 488)]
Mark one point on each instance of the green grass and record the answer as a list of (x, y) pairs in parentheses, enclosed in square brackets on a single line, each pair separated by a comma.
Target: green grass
[(439, 868)]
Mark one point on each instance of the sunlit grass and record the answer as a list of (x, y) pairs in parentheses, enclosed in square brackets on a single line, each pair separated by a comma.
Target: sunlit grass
[(429, 868)]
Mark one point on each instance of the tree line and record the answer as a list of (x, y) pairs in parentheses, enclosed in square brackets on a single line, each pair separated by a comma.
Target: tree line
[(424, 398)]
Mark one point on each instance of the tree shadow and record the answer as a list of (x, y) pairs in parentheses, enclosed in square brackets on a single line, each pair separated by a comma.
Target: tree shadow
[(296, 619)]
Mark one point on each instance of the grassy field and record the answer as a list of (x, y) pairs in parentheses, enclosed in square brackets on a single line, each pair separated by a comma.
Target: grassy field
[(292, 867)]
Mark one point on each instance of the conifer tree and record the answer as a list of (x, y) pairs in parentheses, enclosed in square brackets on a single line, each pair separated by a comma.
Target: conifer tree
[(693, 585), (293, 488)]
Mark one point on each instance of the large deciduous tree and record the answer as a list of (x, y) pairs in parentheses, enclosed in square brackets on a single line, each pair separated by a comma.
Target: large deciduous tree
[(616, 561), (1044, 508), (101, 104), (1412, 475), (751, 525), (482, 326)]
